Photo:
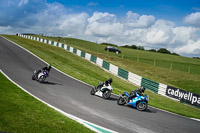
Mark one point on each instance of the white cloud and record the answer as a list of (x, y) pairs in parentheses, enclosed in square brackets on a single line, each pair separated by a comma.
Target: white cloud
[(6, 29), (182, 34), (135, 21), (132, 29), (193, 19), (192, 47), (103, 25), (102, 18)]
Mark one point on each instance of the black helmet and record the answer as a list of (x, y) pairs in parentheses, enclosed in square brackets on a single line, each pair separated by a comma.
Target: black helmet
[(142, 89), (110, 80), (49, 67)]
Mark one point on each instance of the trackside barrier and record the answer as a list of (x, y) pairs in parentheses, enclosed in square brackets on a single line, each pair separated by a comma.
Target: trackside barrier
[(134, 78), (123, 73), (159, 88), (149, 84), (162, 89), (106, 65), (99, 62), (113, 69)]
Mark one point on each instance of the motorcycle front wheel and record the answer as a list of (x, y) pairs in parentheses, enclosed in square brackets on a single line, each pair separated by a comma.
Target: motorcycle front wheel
[(41, 79), (33, 77), (92, 92), (121, 101), (141, 106), (107, 94)]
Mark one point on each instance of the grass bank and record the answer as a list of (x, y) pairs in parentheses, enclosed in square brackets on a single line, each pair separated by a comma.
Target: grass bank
[(90, 73), (22, 113)]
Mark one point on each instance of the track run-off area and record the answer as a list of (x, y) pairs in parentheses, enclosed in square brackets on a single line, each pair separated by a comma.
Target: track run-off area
[(73, 97)]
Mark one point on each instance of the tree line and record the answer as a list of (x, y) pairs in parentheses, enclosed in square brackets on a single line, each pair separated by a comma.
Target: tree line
[(161, 50)]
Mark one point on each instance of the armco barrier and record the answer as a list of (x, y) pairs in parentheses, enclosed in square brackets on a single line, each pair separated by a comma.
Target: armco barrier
[(123, 73), (114, 69), (134, 78), (82, 54), (162, 89), (93, 59), (150, 85), (159, 88), (106, 65)]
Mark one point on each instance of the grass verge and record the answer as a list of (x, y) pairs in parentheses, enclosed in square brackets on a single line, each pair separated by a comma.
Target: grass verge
[(90, 73)]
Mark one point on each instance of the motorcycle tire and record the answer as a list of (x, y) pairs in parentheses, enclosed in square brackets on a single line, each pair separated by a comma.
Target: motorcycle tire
[(92, 92), (106, 94), (41, 79), (141, 106), (121, 101), (33, 77)]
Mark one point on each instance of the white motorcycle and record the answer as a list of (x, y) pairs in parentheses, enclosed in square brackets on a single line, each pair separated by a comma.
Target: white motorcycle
[(102, 91), (41, 76)]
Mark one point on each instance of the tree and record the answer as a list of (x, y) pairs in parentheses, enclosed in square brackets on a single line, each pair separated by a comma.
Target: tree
[(133, 47), (163, 50), (109, 44), (152, 50), (175, 54), (140, 48)]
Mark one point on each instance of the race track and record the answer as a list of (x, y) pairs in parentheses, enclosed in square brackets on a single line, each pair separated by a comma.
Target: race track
[(74, 97)]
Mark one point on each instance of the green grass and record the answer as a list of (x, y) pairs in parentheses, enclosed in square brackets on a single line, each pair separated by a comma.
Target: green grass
[(90, 73), (22, 113), (177, 71)]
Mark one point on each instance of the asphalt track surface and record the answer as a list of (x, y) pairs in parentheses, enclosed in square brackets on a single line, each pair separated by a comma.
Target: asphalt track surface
[(74, 97)]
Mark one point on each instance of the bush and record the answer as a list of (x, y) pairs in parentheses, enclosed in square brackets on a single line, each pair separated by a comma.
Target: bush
[(163, 50)]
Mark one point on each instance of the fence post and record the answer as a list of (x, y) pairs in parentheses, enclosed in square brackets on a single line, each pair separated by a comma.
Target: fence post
[(138, 58), (189, 70), (171, 66)]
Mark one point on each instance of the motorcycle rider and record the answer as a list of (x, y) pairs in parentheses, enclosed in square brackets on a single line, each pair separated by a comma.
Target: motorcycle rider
[(139, 91), (109, 81), (47, 68)]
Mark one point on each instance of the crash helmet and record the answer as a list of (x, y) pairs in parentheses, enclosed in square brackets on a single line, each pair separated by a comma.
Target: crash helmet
[(142, 89), (49, 67), (110, 80)]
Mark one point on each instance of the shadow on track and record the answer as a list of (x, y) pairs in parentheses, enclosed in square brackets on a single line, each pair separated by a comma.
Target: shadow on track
[(51, 83), (148, 110), (112, 98)]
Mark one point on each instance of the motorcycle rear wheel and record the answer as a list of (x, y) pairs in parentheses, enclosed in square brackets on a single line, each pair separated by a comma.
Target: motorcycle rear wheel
[(141, 106), (121, 101)]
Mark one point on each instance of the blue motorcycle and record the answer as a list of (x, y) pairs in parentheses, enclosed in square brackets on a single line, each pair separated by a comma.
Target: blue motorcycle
[(139, 102)]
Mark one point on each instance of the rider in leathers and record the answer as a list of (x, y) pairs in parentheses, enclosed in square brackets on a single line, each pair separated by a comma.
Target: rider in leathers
[(48, 68), (139, 91), (109, 81)]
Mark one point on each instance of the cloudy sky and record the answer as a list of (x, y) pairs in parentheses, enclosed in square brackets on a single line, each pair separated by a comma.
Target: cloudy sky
[(171, 24)]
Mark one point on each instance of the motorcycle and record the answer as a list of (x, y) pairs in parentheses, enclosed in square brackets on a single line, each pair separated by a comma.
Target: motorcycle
[(139, 102), (102, 91), (41, 76)]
